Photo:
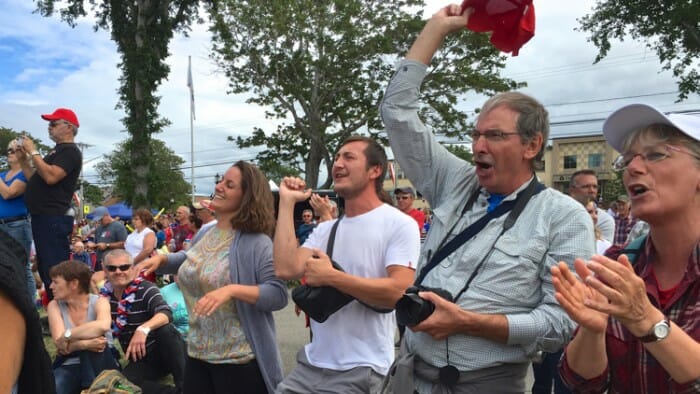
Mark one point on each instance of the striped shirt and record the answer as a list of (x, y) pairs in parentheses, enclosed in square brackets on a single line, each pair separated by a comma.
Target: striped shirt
[(147, 302)]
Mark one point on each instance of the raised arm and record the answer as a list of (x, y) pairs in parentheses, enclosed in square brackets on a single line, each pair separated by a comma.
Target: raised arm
[(288, 256), (449, 19)]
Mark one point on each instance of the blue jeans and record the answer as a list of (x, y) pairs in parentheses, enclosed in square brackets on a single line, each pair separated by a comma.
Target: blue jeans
[(21, 231), (52, 242), (67, 379), (71, 379)]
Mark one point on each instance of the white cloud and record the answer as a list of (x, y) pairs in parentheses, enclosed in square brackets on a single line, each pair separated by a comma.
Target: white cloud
[(77, 68)]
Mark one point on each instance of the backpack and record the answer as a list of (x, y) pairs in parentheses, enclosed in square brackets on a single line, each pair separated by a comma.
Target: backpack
[(111, 381)]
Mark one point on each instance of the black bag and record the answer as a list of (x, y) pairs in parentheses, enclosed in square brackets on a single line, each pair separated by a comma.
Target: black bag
[(320, 302)]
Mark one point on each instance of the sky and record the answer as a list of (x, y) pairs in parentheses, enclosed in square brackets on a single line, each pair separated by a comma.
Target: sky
[(45, 64)]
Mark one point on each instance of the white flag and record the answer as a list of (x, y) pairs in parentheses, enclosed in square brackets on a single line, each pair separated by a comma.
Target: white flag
[(190, 85)]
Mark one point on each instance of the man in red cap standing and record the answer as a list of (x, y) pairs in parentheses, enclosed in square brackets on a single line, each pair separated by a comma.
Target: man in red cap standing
[(52, 179)]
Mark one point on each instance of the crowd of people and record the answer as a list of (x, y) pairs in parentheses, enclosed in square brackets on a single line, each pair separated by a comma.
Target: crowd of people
[(512, 275)]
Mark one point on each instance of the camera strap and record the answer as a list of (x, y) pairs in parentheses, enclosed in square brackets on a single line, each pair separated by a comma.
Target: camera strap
[(329, 252), (515, 207)]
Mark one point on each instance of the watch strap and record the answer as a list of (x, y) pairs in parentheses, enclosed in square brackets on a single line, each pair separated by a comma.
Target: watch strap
[(651, 336)]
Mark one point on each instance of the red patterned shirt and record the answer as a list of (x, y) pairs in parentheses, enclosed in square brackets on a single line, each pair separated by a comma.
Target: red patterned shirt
[(631, 369)]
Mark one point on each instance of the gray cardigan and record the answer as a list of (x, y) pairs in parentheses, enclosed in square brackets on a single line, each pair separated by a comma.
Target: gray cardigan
[(250, 259)]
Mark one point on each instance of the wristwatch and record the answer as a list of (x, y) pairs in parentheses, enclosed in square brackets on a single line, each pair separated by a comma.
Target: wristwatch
[(67, 334), (658, 331), (145, 330)]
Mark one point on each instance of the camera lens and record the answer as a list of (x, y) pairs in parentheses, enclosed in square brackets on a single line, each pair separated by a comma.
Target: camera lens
[(411, 309)]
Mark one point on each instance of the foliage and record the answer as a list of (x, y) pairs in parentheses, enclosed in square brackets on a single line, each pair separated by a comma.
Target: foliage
[(613, 188), (461, 151), (165, 180), (142, 30), (92, 194), (320, 68), (7, 135), (671, 28)]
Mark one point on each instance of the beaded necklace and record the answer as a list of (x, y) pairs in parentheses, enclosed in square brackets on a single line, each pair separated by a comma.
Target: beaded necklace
[(124, 305)]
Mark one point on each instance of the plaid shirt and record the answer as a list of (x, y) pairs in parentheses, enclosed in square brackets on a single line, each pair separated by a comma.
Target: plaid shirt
[(631, 369), (623, 226)]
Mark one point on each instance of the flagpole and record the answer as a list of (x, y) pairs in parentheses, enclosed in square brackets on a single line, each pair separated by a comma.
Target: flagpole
[(191, 86)]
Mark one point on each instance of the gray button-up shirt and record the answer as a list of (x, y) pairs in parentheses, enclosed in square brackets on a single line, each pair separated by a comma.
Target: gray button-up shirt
[(514, 280)]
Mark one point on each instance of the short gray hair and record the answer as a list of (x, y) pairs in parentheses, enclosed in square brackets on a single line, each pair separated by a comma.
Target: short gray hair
[(116, 253), (533, 117)]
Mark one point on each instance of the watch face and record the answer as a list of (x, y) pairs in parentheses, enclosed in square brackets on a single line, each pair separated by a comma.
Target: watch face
[(661, 330)]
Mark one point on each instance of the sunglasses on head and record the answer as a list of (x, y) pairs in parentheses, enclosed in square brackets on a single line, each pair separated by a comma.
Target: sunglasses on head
[(114, 268)]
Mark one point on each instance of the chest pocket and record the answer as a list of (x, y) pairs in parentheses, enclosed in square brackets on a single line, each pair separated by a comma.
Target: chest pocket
[(512, 272)]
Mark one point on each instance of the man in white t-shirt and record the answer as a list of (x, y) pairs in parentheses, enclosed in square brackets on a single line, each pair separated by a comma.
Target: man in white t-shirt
[(377, 246)]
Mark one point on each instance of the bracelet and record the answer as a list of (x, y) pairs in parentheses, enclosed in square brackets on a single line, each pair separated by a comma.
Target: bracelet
[(145, 330), (36, 153)]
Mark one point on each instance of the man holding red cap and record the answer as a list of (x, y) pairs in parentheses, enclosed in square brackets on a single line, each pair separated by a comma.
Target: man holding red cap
[(495, 233), (51, 183)]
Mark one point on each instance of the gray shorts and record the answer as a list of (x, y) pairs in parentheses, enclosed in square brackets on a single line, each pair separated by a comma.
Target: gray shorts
[(306, 378)]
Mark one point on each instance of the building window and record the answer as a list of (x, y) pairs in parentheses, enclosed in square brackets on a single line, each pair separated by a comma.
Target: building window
[(595, 160), (570, 162)]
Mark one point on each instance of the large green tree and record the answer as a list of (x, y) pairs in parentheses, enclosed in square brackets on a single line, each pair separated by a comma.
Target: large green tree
[(669, 27), (320, 68), (142, 30), (164, 178)]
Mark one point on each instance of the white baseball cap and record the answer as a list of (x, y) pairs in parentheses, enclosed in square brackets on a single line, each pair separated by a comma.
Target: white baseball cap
[(631, 117)]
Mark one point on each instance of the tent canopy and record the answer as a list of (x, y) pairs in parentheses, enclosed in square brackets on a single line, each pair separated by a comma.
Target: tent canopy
[(119, 209)]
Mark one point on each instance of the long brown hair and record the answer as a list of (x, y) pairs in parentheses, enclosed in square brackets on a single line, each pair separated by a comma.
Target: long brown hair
[(256, 211)]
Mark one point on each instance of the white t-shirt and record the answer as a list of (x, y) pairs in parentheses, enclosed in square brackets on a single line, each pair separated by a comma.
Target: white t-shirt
[(134, 241), (365, 245)]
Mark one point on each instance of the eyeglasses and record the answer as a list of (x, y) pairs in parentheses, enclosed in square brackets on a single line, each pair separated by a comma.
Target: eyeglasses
[(114, 268), (11, 151), (55, 123), (491, 135), (651, 155)]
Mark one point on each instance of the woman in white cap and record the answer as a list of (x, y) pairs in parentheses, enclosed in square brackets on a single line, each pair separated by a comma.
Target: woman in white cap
[(638, 314)]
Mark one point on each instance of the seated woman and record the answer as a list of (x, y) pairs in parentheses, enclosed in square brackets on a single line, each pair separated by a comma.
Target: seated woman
[(80, 327), (637, 311)]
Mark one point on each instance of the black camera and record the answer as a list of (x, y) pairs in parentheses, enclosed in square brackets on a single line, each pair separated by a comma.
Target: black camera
[(412, 309)]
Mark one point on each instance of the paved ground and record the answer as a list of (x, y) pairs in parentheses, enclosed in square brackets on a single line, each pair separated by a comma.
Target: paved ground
[(292, 335)]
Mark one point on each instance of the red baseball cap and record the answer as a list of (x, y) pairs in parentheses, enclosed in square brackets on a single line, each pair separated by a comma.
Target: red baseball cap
[(511, 21), (62, 114)]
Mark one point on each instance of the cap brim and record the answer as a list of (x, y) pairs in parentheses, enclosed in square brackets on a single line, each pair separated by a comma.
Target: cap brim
[(632, 117)]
